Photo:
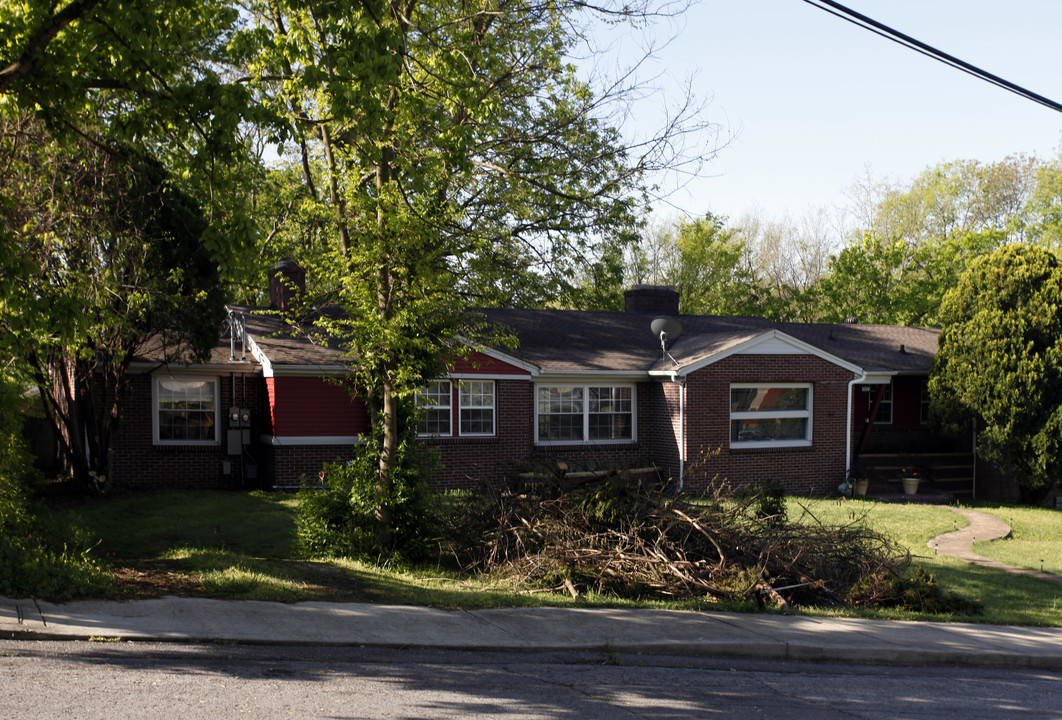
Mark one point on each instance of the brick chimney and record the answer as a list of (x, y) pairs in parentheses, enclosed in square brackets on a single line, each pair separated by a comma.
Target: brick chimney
[(660, 299), (287, 284)]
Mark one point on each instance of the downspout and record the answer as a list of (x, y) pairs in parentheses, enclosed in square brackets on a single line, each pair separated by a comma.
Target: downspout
[(848, 425), (682, 429)]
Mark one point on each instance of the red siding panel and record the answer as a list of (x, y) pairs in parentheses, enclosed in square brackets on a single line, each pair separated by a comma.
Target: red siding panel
[(479, 364), (313, 406)]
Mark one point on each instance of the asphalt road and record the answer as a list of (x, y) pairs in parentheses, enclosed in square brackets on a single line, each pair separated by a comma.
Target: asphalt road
[(108, 681)]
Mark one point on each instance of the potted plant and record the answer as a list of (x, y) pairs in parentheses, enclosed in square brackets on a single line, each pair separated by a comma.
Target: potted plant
[(911, 479), (859, 480)]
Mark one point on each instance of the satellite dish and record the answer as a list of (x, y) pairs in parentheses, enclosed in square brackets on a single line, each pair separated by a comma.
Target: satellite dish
[(670, 326)]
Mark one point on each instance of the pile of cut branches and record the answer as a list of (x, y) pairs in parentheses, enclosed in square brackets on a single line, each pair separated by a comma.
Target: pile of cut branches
[(623, 539)]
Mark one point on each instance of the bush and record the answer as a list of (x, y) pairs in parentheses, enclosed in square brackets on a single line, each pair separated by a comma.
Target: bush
[(766, 503), (339, 516), (38, 556)]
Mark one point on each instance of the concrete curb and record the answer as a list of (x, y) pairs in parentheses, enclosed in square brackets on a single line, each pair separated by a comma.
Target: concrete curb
[(657, 632)]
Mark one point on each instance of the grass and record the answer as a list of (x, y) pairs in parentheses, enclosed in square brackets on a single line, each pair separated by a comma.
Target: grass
[(1034, 539), (150, 523), (241, 546), (1008, 599)]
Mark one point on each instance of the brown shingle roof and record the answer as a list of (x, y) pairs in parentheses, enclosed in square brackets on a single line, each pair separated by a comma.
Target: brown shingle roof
[(564, 340), (285, 346), (618, 342), (273, 335)]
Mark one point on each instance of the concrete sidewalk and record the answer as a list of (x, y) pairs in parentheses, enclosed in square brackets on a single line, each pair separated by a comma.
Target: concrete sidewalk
[(773, 637)]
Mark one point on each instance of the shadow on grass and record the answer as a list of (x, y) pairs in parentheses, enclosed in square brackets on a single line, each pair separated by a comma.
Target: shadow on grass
[(148, 524), (1008, 599)]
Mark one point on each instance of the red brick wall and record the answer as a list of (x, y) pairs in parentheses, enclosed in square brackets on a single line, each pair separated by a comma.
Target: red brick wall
[(662, 433), (284, 466), (137, 462), (815, 469), (471, 462)]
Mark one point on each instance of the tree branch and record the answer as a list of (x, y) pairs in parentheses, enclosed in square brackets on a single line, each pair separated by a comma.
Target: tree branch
[(39, 41)]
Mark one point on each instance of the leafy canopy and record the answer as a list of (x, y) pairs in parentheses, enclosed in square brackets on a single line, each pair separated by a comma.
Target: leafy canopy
[(1000, 362)]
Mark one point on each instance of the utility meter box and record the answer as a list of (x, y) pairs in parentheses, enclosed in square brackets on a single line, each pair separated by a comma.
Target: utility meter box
[(239, 433)]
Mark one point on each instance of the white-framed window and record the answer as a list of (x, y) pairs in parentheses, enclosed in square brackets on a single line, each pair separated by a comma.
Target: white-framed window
[(567, 414), (770, 415), (185, 411), (435, 401), (474, 400), (884, 414), (476, 407)]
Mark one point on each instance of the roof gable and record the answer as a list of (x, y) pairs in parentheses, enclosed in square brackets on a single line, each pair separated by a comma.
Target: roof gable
[(767, 342)]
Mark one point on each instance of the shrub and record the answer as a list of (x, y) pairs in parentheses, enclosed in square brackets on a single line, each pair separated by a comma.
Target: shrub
[(339, 516), (38, 556), (766, 503)]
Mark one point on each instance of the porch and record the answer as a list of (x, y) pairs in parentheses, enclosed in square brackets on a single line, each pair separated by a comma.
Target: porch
[(945, 476)]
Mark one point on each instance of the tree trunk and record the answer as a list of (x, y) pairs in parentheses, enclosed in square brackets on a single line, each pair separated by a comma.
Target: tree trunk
[(389, 416), (388, 462)]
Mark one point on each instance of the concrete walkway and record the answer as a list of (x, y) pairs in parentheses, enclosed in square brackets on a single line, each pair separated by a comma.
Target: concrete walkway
[(662, 632), (983, 526)]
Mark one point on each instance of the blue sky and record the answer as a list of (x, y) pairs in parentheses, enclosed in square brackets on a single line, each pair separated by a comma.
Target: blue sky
[(815, 102)]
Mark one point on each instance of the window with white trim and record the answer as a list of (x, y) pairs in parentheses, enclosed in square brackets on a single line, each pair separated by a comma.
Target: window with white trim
[(474, 400), (584, 414), (770, 415), (476, 407), (186, 411), (609, 413), (435, 404)]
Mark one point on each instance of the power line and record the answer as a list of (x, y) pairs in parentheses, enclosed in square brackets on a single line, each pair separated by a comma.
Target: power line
[(838, 10)]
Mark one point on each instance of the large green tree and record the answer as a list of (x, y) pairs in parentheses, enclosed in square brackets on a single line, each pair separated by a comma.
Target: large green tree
[(896, 282), (161, 76), (999, 363), (786, 261), (911, 241), (460, 158), (102, 257), (706, 262), (126, 187)]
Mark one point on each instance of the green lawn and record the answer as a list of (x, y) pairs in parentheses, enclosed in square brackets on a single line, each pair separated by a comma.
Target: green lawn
[(1008, 599), (1035, 541), (241, 546)]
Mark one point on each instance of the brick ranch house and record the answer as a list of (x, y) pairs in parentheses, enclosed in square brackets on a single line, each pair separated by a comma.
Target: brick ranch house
[(736, 398)]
